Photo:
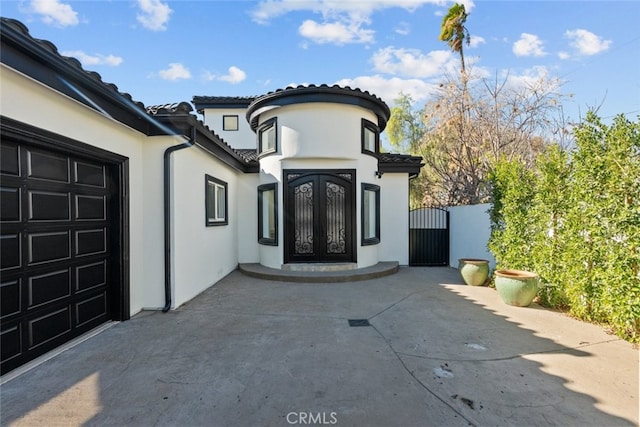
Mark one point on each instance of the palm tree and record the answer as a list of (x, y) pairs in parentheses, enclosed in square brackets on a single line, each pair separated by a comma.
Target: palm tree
[(455, 33)]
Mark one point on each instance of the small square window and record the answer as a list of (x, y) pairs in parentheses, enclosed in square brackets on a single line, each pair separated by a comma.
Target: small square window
[(268, 214), (370, 137), (268, 137), (216, 205), (229, 122), (370, 214)]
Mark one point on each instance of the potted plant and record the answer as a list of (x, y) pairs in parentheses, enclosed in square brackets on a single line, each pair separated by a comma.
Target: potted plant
[(517, 287), (474, 271)]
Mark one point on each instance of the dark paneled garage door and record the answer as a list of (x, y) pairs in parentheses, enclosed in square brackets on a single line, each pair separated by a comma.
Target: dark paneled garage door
[(57, 235)]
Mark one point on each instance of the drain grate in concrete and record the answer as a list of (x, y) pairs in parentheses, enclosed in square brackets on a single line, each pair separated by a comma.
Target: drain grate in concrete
[(359, 322)]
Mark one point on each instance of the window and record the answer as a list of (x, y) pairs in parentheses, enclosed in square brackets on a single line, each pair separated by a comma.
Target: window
[(268, 214), (229, 122), (370, 137), (216, 201), (267, 137), (370, 214)]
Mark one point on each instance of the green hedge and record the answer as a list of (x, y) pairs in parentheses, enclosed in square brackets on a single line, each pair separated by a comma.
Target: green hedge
[(575, 220)]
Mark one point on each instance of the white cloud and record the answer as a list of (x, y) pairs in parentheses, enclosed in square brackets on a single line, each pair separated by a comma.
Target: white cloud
[(530, 79), (335, 32), (403, 28), (389, 89), (97, 59), (585, 42), (54, 12), (154, 14), (528, 45), (342, 21), (564, 55), (412, 62), (234, 75), (176, 71), (476, 41)]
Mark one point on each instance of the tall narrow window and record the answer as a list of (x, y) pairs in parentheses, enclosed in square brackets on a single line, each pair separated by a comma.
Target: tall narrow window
[(370, 214), (370, 137), (216, 205), (230, 122), (268, 137), (268, 214)]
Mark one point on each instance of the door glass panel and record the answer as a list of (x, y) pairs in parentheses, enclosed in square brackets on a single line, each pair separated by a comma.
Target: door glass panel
[(303, 205), (336, 221)]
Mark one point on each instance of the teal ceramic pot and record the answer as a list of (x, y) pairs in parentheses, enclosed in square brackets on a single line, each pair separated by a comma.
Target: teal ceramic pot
[(474, 272), (517, 287)]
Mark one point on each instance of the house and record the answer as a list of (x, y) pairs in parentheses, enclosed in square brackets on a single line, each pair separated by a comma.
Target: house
[(110, 207)]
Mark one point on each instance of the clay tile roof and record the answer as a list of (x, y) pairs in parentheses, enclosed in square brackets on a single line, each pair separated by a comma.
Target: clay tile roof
[(178, 107)]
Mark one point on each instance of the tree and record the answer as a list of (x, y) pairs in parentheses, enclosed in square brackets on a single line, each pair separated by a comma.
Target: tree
[(453, 31), (500, 119)]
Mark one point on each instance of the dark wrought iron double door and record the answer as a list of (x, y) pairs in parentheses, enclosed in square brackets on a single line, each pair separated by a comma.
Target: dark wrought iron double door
[(319, 216)]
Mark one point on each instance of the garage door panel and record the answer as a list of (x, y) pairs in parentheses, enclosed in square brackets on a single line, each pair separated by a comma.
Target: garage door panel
[(90, 174), (10, 298), (10, 202), (11, 343), (90, 242), (10, 246), (48, 247), (48, 327), (10, 159), (49, 166), (49, 287), (47, 206), (94, 308), (91, 208), (55, 246), (91, 276)]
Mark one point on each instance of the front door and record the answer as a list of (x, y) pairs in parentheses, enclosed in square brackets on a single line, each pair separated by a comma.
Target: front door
[(319, 210)]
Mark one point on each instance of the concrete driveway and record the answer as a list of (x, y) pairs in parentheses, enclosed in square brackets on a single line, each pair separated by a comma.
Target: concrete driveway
[(250, 352)]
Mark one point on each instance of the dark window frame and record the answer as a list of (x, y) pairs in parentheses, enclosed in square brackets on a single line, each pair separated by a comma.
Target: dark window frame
[(367, 125), (209, 222), (365, 241), (237, 122), (273, 122), (262, 239)]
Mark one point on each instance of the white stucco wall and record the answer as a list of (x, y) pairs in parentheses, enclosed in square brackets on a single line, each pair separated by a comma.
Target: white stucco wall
[(242, 138), (394, 218), (31, 102), (201, 255), (469, 231)]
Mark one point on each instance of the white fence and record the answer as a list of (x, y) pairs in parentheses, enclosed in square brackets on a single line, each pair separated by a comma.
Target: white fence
[(469, 231)]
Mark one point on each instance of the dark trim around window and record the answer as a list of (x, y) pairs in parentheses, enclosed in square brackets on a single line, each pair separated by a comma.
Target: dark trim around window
[(267, 125), (367, 238), (213, 216), (230, 128), (271, 238), (370, 126)]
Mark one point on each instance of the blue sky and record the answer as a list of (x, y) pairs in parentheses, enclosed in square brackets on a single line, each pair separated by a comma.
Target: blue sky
[(168, 51)]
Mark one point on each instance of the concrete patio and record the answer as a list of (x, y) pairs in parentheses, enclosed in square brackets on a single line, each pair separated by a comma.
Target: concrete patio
[(251, 352)]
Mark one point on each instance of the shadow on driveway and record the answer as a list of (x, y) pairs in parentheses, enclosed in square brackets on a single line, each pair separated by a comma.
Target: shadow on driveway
[(250, 352)]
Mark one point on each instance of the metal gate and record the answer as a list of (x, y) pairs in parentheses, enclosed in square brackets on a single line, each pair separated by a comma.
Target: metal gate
[(429, 236)]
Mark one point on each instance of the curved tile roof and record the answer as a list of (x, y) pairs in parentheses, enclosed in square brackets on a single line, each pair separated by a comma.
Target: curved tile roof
[(323, 93)]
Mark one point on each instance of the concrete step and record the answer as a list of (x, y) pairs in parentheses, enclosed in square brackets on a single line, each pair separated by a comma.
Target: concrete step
[(332, 275)]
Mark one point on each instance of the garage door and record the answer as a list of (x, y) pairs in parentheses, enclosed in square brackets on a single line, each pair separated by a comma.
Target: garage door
[(56, 254)]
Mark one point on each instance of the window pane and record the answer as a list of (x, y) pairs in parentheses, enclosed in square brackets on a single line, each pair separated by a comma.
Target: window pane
[(220, 202), (369, 140), (268, 138), (211, 201), (268, 214), (369, 213), (230, 123)]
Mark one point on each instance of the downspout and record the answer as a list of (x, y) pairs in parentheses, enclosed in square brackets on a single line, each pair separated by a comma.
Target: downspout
[(167, 216)]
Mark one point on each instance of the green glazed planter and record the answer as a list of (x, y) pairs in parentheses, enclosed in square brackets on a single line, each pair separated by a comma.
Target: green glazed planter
[(517, 287), (474, 272)]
